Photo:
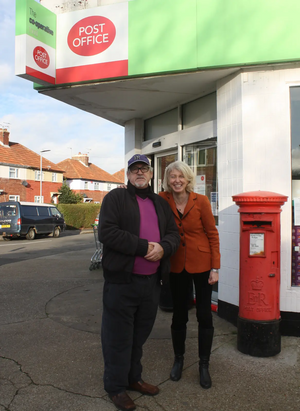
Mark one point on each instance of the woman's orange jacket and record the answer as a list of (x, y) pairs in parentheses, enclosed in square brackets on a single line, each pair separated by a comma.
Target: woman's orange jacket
[(199, 245)]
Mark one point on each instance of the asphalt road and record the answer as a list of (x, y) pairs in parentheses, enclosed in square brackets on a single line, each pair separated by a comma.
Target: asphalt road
[(34, 272), (20, 249)]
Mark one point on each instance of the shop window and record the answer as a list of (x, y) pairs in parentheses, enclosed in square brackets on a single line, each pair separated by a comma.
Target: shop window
[(202, 158), (199, 111), (295, 143), (161, 125)]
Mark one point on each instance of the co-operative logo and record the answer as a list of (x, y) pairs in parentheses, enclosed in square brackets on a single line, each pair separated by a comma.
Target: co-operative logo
[(41, 57), (91, 35)]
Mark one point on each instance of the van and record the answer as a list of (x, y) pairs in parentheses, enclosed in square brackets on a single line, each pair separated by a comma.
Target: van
[(23, 219)]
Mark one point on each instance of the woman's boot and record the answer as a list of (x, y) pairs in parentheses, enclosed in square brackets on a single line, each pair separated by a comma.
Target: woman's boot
[(178, 339), (205, 338)]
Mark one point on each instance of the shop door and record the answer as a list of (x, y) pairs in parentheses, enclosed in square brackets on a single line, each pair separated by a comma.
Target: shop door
[(161, 163)]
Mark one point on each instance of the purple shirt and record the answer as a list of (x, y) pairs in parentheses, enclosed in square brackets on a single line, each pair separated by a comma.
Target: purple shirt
[(149, 230)]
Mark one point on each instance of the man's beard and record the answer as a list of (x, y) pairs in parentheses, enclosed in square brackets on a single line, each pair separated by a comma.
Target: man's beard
[(143, 184)]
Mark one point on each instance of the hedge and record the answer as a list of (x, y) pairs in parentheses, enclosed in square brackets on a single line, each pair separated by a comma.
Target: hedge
[(79, 216)]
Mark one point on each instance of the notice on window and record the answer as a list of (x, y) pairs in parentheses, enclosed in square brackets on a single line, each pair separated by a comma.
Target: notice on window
[(214, 203), (159, 185), (200, 184), (257, 244), (296, 211)]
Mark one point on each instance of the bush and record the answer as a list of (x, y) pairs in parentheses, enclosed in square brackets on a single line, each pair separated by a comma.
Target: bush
[(79, 216), (67, 196)]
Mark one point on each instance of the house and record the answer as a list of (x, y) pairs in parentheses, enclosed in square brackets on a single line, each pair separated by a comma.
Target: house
[(20, 173), (120, 175), (88, 180)]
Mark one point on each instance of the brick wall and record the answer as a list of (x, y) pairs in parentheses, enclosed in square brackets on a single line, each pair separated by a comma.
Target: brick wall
[(15, 187)]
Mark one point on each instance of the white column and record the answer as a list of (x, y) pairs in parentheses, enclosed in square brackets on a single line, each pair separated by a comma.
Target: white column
[(133, 138)]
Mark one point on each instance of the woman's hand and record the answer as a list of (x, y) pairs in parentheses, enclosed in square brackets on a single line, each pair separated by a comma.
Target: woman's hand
[(213, 277)]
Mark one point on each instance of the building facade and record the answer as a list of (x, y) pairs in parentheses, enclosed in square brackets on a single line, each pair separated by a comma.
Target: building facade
[(215, 84), (88, 180), (20, 174)]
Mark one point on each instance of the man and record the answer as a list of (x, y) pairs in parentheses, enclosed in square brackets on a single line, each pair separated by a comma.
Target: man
[(139, 235)]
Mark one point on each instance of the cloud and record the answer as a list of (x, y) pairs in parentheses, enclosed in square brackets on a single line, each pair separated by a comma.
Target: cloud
[(7, 75), (68, 134)]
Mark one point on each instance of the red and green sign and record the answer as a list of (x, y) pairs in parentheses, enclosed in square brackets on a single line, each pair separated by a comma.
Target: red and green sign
[(142, 37), (92, 44), (35, 52)]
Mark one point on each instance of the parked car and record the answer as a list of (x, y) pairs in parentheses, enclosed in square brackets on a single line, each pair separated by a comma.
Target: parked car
[(24, 219)]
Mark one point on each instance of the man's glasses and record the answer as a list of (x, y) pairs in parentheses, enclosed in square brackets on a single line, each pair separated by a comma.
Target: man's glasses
[(135, 169)]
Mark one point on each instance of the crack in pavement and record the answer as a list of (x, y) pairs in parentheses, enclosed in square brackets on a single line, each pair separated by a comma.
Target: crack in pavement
[(14, 380)]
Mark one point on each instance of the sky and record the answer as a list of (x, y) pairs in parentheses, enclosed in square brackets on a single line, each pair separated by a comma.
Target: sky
[(41, 123)]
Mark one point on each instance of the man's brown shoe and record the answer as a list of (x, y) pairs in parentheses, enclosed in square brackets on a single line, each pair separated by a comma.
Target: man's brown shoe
[(144, 388), (122, 401)]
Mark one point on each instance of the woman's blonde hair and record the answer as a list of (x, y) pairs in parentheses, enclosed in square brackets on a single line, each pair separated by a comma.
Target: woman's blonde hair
[(186, 172)]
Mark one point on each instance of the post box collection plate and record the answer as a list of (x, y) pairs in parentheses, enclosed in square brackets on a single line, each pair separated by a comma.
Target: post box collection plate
[(257, 244)]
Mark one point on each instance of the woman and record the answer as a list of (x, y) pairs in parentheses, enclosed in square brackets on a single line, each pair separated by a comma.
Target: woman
[(196, 260)]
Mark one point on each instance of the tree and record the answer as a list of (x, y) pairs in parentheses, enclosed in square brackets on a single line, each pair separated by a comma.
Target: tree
[(67, 196)]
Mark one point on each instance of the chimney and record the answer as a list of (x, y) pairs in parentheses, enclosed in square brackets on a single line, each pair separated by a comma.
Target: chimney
[(82, 157), (4, 136)]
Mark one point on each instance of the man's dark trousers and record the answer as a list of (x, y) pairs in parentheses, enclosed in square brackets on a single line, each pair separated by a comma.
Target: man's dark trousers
[(129, 312)]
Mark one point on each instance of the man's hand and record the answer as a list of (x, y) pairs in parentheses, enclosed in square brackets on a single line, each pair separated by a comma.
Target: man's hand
[(150, 248), (156, 252)]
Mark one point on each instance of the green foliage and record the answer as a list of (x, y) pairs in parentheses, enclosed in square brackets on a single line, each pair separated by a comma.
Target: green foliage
[(78, 216), (67, 196)]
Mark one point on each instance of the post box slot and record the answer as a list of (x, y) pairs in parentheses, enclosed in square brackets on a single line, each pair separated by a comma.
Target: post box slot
[(257, 223)]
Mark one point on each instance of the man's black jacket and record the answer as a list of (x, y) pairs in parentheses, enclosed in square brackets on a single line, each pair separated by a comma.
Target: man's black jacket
[(119, 227)]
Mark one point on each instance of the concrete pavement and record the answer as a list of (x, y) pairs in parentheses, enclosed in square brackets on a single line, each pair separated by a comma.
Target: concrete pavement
[(52, 361)]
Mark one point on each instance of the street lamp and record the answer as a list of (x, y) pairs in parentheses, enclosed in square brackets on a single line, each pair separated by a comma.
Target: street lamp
[(41, 172)]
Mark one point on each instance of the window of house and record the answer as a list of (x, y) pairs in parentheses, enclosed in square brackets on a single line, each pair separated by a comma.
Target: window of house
[(202, 158), (13, 172), (13, 198), (38, 198), (161, 125), (54, 177), (86, 185), (37, 175), (96, 186), (108, 186)]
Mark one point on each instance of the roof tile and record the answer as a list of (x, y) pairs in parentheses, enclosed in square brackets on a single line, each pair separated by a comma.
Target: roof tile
[(120, 174), (19, 156), (75, 169)]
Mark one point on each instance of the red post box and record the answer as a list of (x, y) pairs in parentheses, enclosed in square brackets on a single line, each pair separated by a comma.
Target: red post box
[(259, 313)]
